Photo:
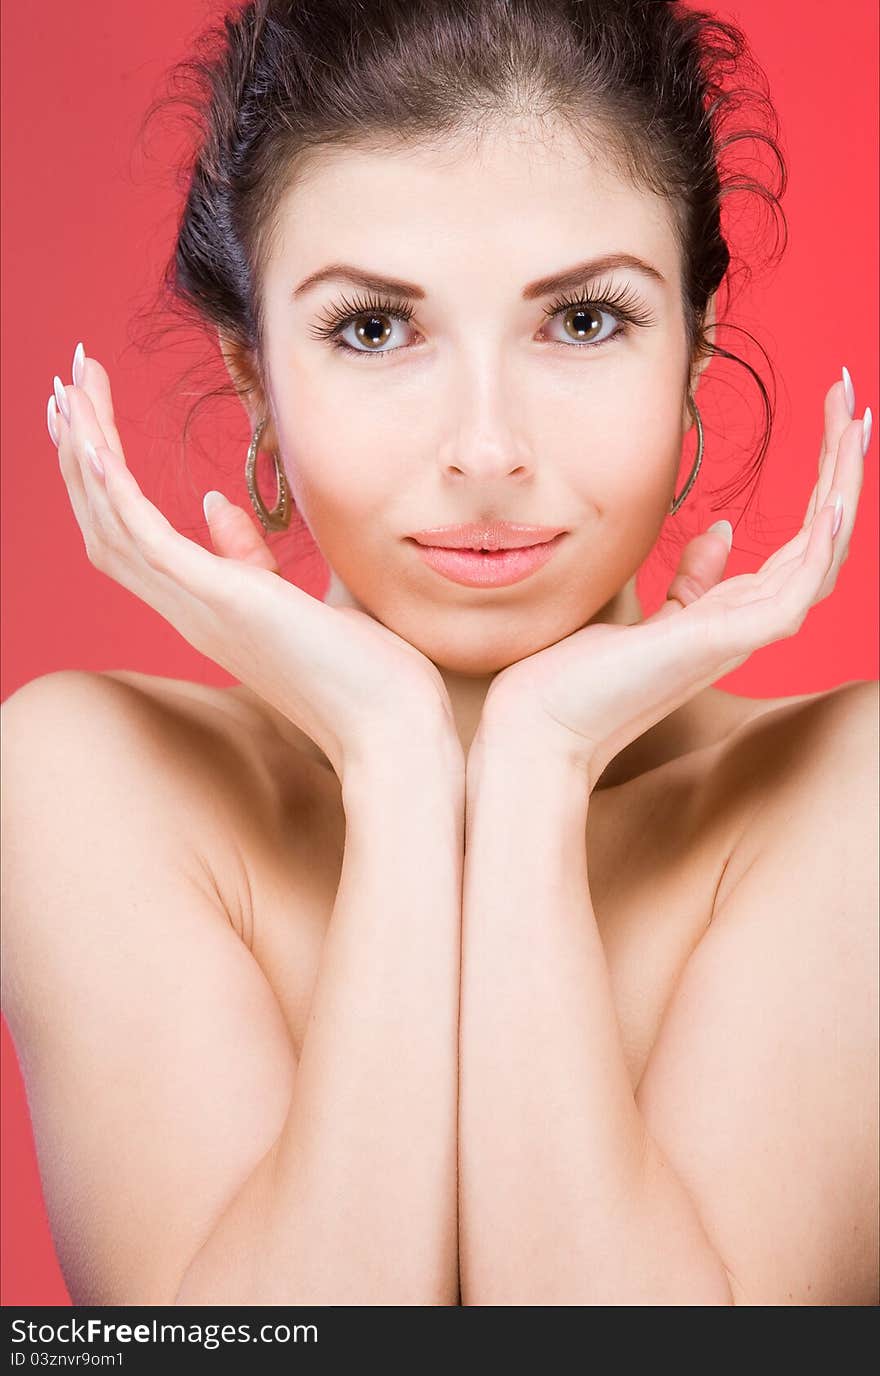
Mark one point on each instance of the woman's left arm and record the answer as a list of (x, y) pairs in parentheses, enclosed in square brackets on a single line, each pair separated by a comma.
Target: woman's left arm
[(743, 1168), (554, 1156), (565, 1195)]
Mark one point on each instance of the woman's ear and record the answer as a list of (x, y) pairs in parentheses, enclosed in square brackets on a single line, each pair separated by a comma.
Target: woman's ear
[(700, 363), (239, 365)]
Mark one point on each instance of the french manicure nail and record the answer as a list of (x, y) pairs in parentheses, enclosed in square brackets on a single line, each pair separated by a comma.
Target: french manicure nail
[(866, 431), (61, 398), (725, 530), (92, 456), (52, 422), (850, 394), (838, 513), (212, 502), (79, 358)]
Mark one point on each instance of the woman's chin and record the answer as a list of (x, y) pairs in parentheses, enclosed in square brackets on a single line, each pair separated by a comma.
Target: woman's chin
[(458, 642), (478, 661)]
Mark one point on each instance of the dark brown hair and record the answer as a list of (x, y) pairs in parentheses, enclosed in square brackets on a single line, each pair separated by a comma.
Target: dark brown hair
[(672, 95)]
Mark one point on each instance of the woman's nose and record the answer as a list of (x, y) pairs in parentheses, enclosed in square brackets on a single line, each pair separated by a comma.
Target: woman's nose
[(485, 461), (483, 442)]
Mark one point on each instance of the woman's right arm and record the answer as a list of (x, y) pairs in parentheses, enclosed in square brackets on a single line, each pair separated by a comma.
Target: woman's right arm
[(356, 1203), (184, 1155)]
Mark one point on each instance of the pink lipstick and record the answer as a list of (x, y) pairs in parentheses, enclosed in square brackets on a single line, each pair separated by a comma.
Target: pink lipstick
[(488, 556)]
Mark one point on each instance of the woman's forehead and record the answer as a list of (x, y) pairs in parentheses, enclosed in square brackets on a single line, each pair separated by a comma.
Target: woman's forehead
[(524, 154), (539, 205)]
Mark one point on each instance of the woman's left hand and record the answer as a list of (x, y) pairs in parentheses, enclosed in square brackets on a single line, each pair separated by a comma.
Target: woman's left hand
[(591, 694)]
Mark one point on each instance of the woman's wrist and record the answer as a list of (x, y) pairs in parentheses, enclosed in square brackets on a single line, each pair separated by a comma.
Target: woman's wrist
[(528, 757), (425, 758)]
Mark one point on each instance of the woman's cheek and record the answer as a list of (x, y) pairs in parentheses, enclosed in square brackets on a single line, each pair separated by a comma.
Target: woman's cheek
[(344, 486)]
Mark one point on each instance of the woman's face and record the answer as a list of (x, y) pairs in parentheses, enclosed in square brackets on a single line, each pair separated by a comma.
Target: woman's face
[(482, 405)]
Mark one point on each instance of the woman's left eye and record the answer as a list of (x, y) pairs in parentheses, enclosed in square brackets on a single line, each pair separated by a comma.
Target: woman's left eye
[(582, 323)]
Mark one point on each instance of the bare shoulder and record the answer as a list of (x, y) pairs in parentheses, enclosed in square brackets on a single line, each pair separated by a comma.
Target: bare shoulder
[(155, 710), (814, 753), (762, 1085), (212, 761), (157, 1059), (805, 776), (807, 715)]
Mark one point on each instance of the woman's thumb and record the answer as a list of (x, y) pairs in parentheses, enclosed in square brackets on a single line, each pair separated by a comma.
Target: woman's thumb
[(234, 533), (702, 565)]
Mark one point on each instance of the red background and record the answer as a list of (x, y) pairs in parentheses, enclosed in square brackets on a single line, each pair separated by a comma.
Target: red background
[(89, 213)]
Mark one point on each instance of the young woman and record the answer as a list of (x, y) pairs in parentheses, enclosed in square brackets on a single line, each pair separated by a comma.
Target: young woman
[(473, 948)]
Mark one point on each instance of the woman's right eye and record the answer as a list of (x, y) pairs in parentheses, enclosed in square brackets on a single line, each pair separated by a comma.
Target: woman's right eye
[(371, 331), (371, 322)]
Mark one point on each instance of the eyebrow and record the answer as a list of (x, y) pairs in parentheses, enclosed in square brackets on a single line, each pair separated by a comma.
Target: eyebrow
[(570, 279)]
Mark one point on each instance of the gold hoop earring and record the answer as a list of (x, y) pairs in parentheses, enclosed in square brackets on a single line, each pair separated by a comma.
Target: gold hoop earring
[(677, 501), (279, 517)]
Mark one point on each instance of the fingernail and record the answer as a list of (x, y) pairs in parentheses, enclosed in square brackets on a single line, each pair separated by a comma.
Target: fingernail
[(79, 358), (211, 503), (61, 398), (724, 529), (866, 431), (838, 512), (850, 394), (52, 422), (92, 456)]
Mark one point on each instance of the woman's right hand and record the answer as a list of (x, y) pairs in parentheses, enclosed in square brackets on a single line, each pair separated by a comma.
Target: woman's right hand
[(347, 681)]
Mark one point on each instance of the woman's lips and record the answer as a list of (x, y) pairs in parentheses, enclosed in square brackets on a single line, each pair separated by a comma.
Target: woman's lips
[(492, 569)]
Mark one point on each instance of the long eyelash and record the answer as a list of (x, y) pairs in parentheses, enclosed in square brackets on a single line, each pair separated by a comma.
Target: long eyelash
[(624, 303), (342, 315)]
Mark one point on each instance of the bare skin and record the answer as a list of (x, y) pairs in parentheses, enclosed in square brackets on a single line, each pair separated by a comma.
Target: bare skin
[(262, 810), (664, 823), (261, 1063)]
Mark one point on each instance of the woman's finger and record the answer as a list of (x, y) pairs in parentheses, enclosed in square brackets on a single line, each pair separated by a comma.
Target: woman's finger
[(849, 472), (82, 484), (104, 529), (234, 533), (91, 377), (844, 475), (768, 615), (165, 551), (701, 567), (837, 416), (124, 533), (108, 544)]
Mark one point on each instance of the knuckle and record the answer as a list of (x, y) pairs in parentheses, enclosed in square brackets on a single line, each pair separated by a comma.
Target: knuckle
[(94, 551), (111, 537), (151, 551), (685, 588), (794, 621)]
